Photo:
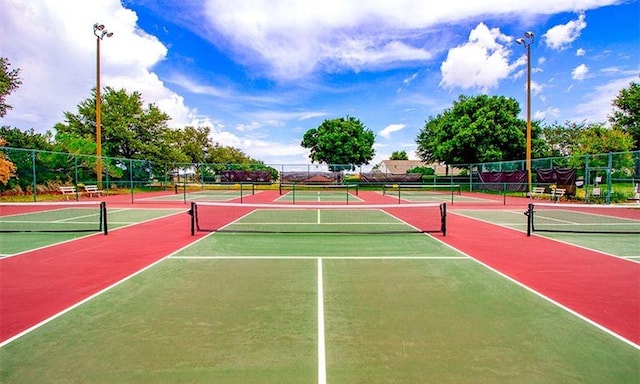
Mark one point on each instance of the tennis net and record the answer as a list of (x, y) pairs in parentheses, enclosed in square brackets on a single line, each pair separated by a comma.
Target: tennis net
[(54, 217), (318, 218), (331, 188), (417, 191), (577, 218)]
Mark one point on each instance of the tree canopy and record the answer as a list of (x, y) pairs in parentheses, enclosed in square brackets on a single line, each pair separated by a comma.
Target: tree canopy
[(129, 129), (9, 81), (399, 155), (585, 139), (626, 113), (343, 141), (478, 129)]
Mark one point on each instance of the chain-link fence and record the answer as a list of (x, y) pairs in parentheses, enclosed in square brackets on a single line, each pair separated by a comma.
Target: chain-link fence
[(39, 174), (603, 177)]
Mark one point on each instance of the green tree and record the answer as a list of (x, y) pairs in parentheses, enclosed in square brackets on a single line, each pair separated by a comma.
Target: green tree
[(399, 155), (222, 158), (195, 143), (129, 130), (28, 143), (27, 139), (9, 82), (626, 114), (220, 154), (340, 143), (597, 139), (478, 129), (561, 138)]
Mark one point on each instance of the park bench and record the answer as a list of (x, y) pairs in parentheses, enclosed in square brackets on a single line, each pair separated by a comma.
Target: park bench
[(557, 193), (91, 190), (68, 191), (537, 192)]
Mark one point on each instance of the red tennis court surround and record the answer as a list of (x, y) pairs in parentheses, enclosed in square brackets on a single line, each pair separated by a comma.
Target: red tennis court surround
[(603, 288), (37, 285)]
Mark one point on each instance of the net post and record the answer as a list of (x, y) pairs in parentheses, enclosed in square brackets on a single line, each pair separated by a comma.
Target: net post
[(184, 192), (192, 213), (451, 187), (103, 214), (529, 214), (293, 193), (504, 194), (347, 193), (241, 192), (443, 219)]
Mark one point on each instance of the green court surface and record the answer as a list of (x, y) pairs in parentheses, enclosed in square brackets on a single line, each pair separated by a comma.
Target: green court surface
[(439, 196), (319, 233), (319, 196), (256, 321), (617, 244), (12, 243), (203, 195), (303, 307)]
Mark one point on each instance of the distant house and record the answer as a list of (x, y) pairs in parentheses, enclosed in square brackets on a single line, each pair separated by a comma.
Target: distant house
[(399, 166), (402, 166)]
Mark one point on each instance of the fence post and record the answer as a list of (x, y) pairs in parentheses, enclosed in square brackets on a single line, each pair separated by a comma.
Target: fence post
[(33, 168), (587, 179), (75, 169), (130, 178), (609, 166)]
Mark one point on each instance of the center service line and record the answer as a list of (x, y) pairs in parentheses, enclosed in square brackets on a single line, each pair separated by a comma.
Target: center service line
[(322, 364)]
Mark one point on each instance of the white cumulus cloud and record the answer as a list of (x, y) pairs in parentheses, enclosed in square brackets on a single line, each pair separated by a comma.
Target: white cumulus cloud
[(53, 45), (479, 63), (579, 72), (388, 130), (562, 35)]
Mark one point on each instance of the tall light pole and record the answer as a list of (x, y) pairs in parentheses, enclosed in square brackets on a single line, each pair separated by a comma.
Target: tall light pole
[(527, 40), (100, 32)]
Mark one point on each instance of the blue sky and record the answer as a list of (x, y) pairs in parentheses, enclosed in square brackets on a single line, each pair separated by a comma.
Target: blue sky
[(260, 73)]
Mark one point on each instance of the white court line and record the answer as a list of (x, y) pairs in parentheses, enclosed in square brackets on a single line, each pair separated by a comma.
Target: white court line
[(462, 257), (322, 361)]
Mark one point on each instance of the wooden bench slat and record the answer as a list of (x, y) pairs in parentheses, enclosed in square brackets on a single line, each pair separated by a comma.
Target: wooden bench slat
[(67, 191), (92, 189)]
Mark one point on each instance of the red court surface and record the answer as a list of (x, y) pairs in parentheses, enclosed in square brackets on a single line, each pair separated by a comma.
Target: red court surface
[(37, 285), (602, 288)]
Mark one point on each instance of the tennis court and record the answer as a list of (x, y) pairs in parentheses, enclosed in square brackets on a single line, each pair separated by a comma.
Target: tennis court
[(613, 230), (330, 193), (445, 193), (206, 192), (321, 295), (30, 226)]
